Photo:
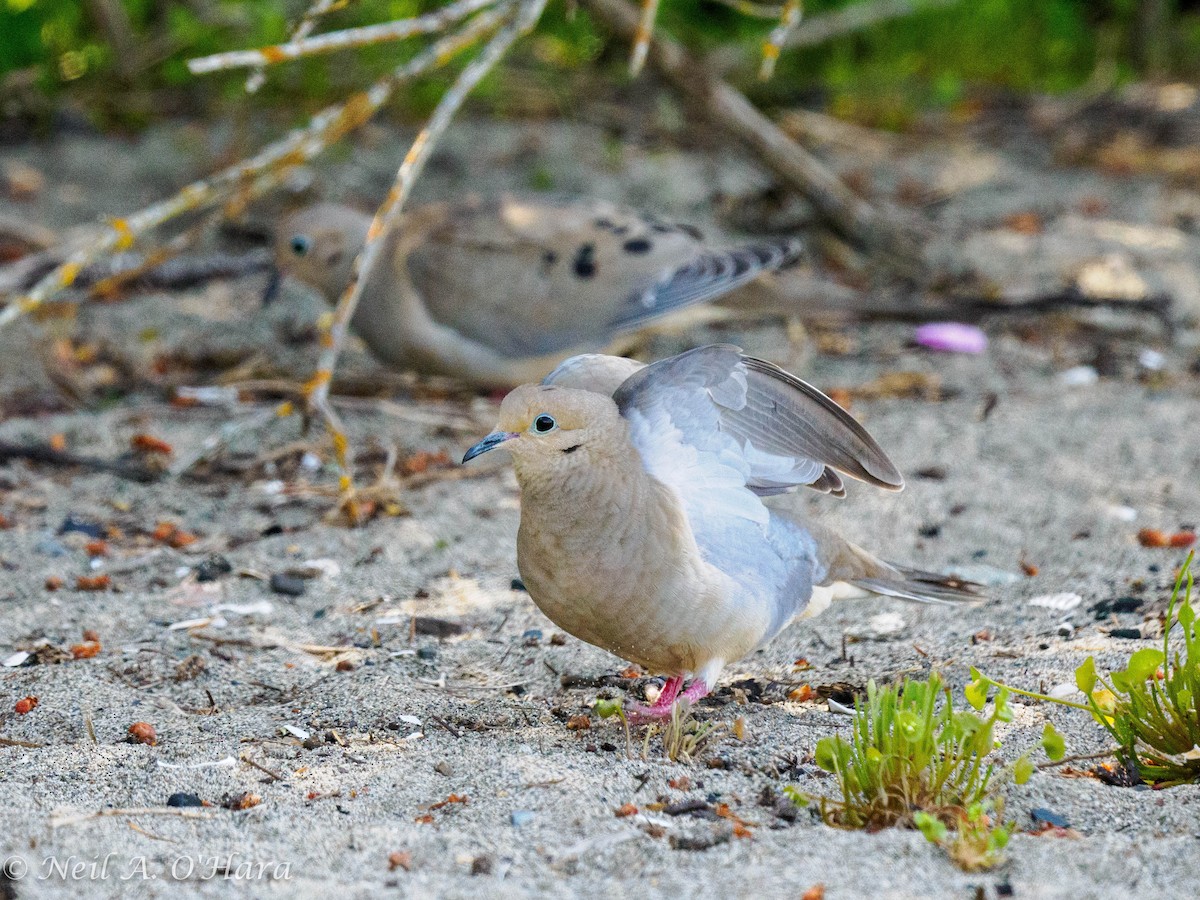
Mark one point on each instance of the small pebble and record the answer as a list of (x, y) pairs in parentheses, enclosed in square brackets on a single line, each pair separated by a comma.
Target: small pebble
[(82, 526), (1132, 634), (213, 568), (50, 547), (427, 653), (1041, 815), (532, 637), (287, 584), (1079, 376), (516, 585), (483, 865), (953, 337), (1065, 629), (444, 768), (521, 817), (181, 800)]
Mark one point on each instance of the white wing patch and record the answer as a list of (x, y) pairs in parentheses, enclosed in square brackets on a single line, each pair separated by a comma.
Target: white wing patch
[(710, 481)]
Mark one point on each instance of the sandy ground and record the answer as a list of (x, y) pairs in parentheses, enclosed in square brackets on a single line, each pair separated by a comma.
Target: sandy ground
[(360, 727)]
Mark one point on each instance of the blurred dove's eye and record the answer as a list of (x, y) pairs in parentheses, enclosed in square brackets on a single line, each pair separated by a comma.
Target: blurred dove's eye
[(544, 424), (299, 245)]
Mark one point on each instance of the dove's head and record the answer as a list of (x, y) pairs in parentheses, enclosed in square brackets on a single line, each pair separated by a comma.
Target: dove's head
[(553, 429), (318, 245)]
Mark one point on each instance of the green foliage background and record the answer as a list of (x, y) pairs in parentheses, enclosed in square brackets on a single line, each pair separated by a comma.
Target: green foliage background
[(53, 48)]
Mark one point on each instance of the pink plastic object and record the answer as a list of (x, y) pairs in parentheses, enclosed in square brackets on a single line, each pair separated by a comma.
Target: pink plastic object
[(954, 337)]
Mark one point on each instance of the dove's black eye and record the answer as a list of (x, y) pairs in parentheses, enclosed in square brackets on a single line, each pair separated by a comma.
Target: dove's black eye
[(299, 245), (544, 424)]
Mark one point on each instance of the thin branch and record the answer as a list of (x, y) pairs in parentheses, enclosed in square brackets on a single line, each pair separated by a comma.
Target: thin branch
[(894, 239), (59, 819), (44, 453), (788, 20), (388, 215), (1112, 751), (305, 27), (256, 175), (754, 10), (641, 40), (857, 17), (430, 23)]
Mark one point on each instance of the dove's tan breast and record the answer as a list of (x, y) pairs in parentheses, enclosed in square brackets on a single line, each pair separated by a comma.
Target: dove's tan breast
[(610, 558)]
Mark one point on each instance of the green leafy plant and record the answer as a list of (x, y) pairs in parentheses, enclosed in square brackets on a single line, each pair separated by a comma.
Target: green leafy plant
[(1152, 706), (977, 840), (909, 751)]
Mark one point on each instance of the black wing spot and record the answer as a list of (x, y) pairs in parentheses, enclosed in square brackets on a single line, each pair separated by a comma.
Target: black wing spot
[(637, 245), (572, 449), (585, 261)]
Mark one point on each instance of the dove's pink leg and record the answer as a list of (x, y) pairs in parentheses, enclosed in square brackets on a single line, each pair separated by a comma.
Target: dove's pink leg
[(661, 708), (696, 690)]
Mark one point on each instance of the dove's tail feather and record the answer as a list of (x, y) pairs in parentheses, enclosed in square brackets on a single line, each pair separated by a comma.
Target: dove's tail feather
[(923, 587), (851, 564)]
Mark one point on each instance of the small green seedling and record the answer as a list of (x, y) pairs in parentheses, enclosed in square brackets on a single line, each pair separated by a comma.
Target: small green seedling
[(909, 751), (1151, 707), (976, 842)]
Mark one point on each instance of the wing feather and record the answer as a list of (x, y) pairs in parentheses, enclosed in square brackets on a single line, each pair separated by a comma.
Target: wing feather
[(712, 413)]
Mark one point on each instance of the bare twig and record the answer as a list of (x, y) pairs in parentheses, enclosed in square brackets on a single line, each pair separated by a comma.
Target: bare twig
[(788, 20), (896, 241), (856, 17), (59, 819), (388, 215), (348, 38), (44, 453), (754, 10), (1112, 751), (303, 29), (248, 761), (641, 40)]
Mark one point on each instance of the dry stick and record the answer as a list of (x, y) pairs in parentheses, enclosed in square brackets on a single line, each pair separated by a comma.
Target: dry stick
[(255, 175), (1080, 757), (44, 453), (641, 41), (897, 241), (857, 17), (61, 819), (302, 30), (754, 10), (346, 39), (385, 220), (788, 20)]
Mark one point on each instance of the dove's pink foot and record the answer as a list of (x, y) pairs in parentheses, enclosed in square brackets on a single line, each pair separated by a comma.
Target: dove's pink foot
[(660, 710)]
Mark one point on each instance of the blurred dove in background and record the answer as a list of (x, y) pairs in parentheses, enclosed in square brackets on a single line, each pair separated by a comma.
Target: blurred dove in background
[(497, 292), (643, 527)]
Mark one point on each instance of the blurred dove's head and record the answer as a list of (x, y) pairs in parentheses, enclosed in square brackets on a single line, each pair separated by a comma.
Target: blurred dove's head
[(318, 245), (552, 428)]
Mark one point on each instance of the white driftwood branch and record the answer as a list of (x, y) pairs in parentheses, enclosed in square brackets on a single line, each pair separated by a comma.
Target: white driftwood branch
[(824, 28), (789, 18), (430, 23)]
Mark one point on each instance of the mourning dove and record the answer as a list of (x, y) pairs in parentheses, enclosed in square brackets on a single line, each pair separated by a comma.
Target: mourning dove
[(643, 527), (497, 292)]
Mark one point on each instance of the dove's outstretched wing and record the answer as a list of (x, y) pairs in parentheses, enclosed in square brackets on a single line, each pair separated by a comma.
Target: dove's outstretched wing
[(724, 429)]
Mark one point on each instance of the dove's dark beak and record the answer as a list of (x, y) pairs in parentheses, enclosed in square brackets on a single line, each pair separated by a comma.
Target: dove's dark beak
[(491, 442), (271, 291)]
